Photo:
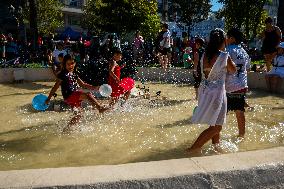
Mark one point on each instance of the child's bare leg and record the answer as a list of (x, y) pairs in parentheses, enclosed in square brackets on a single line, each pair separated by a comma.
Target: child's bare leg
[(72, 122), (241, 122), (205, 136), (216, 139), (166, 61), (113, 101), (161, 61), (94, 102), (169, 57), (126, 95), (196, 93)]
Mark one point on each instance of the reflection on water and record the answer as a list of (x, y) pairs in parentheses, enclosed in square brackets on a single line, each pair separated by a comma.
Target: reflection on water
[(138, 130)]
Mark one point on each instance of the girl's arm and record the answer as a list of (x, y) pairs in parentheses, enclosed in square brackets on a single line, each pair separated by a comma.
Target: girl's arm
[(278, 31), (53, 90), (231, 67), (195, 61), (111, 72), (86, 85), (123, 65)]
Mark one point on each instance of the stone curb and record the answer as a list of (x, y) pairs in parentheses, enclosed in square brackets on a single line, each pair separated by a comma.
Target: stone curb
[(253, 169)]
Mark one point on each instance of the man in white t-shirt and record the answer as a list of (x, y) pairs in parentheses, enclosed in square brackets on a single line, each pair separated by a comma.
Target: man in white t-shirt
[(165, 47)]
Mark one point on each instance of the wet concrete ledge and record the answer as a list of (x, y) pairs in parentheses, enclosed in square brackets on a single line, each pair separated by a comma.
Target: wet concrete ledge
[(256, 80), (253, 169)]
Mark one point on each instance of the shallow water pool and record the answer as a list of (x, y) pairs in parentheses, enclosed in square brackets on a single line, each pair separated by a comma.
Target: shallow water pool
[(139, 130)]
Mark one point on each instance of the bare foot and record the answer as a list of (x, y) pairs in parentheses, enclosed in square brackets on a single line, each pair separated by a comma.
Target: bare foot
[(218, 149), (193, 152), (240, 138), (250, 109), (66, 130), (102, 109)]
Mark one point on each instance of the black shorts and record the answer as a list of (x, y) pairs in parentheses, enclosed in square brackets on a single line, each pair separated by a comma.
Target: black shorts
[(165, 51), (236, 101), (268, 49)]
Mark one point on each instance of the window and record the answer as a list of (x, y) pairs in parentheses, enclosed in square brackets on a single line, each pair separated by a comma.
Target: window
[(74, 20), (73, 3)]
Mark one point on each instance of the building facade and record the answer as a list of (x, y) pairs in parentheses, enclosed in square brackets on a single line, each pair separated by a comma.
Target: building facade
[(73, 13), (203, 28)]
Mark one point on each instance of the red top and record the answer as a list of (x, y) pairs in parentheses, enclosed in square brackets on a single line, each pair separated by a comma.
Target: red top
[(117, 90), (126, 84)]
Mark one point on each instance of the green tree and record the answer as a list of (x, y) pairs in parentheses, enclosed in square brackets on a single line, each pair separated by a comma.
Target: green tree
[(45, 15), (122, 16), (193, 11), (246, 14)]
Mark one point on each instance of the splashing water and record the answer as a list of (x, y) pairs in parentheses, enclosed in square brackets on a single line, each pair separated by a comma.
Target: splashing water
[(136, 130)]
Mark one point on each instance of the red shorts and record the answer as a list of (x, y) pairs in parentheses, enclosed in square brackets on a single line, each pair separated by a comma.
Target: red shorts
[(74, 99)]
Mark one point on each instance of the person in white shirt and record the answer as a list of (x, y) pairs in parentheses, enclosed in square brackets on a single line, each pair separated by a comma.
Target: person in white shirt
[(275, 77), (58, 51), (165, 47), (236, 83)]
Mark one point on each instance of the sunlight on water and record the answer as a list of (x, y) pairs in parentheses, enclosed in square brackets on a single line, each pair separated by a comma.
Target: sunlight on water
[(136, 130)]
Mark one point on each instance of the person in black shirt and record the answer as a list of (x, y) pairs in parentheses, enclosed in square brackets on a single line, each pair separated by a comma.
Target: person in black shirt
[(271, 38), (70, 87)]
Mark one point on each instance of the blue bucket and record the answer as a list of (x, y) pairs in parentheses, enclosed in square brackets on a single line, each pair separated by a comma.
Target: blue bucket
[(39, 102)]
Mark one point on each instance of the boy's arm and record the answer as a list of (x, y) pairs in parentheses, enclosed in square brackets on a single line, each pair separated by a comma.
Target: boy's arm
[(231, 66), (86, 85), (279, 33), (53, 90)]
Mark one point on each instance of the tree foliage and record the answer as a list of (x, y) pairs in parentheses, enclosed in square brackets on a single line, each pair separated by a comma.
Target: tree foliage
[(245, 14), (49, 15), (122, 16), (193, 11)]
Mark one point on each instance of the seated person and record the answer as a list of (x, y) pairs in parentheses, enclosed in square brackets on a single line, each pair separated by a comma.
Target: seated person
[(118, 87), (275, 76), (57, 66)]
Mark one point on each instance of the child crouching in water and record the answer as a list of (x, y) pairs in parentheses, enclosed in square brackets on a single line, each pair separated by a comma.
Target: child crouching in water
[(73, 96), (114, 78)]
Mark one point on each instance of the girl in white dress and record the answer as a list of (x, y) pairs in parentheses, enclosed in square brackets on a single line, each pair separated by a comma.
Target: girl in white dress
[(212, 101)]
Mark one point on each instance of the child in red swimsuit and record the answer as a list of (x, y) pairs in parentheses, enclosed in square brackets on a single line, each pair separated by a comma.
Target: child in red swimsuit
[(118, 87)]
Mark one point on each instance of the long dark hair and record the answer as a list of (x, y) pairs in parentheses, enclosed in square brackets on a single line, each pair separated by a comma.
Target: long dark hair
[(65, 59), (217, 38)]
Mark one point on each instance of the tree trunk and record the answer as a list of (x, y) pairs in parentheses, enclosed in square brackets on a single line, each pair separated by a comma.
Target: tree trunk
[(280, 18), (33, 23), (165, 10)]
